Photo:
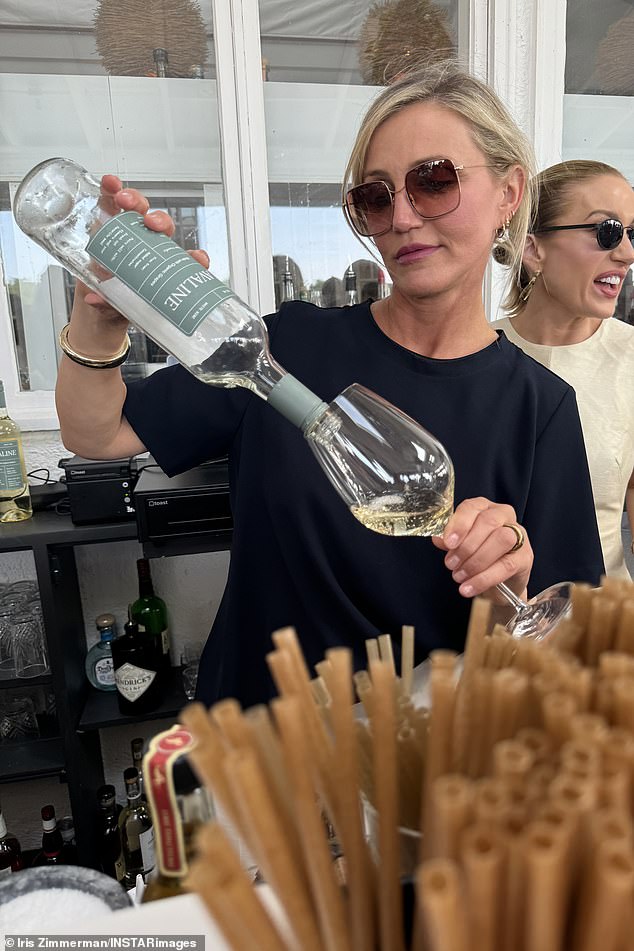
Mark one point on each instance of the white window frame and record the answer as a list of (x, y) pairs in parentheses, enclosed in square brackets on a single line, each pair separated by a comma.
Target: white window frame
[(518, 45)]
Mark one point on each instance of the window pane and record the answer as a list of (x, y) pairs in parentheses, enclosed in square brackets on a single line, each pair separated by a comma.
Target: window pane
[(599, 100), (323, 62), (68, 87)]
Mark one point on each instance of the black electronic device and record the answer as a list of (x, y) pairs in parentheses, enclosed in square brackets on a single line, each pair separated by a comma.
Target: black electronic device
[(100, 490), (191, 511)]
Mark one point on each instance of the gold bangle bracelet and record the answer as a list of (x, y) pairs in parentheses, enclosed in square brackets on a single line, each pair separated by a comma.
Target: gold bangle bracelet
[(109, 363)]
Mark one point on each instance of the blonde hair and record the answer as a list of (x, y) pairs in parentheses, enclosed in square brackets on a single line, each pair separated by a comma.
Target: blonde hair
[(552, 197), (493, 129)]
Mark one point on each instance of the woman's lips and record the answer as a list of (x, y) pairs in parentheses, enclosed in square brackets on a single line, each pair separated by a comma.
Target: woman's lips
[(410, 253)]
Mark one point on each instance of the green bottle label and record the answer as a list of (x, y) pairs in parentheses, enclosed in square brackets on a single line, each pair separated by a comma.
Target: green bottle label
[(10, 466), (160, 272)]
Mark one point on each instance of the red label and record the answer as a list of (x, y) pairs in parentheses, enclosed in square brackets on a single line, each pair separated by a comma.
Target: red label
[(158, 772)]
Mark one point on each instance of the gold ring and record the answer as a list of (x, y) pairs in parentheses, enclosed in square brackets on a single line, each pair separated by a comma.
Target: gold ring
[(520, 537)]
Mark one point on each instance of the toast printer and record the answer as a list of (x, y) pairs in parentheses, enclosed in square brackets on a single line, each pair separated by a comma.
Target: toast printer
[(100, 490), (187, 506)]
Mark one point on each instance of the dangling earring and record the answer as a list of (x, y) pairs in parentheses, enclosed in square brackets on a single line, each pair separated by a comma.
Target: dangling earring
[(528, 289), (502, 233)]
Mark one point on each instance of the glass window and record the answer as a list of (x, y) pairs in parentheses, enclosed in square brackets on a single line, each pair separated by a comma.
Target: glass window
[(599, 100), (322, 62), (71, 84)]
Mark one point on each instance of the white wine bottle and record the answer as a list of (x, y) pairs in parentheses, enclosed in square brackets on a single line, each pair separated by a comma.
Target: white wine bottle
[(15, 498), (371, 451)]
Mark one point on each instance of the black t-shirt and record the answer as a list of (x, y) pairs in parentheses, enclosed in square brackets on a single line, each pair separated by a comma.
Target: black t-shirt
[(299, 557)]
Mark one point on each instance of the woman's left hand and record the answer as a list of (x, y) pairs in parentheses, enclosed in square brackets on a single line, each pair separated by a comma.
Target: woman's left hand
[(479, 543)]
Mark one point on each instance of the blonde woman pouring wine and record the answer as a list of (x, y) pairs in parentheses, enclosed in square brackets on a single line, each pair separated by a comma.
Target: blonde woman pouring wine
[(437, 170)]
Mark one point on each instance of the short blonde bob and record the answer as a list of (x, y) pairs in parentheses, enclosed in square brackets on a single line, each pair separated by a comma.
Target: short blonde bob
[(495, 133)]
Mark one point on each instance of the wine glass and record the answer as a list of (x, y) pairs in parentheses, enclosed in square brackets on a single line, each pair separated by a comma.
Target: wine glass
[(398, 479)]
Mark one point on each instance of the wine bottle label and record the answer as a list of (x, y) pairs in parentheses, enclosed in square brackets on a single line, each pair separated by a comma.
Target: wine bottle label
[(132, 681), (10, 466), (104, 672), (146, 841), (119, 867), (158, 764), (160, 272)]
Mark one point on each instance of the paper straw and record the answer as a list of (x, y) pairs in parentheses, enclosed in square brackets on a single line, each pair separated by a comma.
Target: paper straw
[(547, 888), (605, 900), (385, 651), (537, 742), (491, 800), (441, 903), (227, 892), (558, 710), (439, 755), (479, 753), (624, 636), (450, 810), (473, 658), (317, 859), (383, 724), (482, 858), (271, 848), (601, 629), (346, 772), (513, 906), (407, 657), (512, 762)]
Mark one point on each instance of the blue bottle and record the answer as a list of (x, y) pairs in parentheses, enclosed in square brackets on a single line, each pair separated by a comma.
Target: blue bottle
[(99, 666)]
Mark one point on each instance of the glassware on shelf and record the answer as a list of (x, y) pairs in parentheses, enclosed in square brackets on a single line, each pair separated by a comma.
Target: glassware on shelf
[(29, 645), (190, 661), (18, 719)]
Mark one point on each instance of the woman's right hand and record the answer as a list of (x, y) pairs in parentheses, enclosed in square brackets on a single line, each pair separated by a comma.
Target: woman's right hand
[(116, 198)]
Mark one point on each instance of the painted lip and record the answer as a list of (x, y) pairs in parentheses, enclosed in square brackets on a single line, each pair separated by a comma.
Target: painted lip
[(410, 253)]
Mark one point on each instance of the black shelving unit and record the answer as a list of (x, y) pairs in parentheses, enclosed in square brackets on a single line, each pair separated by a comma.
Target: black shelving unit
[(75, 754)]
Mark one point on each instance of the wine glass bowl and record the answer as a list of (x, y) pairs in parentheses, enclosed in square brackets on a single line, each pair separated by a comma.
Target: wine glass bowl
[(395, 477), (541, 614)]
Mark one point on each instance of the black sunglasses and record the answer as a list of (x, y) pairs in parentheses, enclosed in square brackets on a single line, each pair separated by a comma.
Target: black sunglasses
[(432, 188), (609, 232)]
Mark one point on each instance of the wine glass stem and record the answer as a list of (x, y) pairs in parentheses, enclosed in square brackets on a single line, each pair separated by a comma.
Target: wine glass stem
[(511, 597)]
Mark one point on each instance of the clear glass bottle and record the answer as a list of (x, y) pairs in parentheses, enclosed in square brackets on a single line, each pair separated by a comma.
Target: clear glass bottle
[(288, 287), (137, 832), (109, 848), (99, 665), (15, 497), (179, 805), (352, 296), (66, 826), (52, 842), (136, 749), (10, 852), (150, 612), (370, 460)]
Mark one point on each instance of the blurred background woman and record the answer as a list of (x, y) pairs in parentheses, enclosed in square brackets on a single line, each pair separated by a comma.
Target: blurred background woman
[(577, 257)]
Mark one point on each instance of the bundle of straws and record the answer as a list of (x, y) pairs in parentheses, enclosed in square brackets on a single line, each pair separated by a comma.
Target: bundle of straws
[(520, 777)]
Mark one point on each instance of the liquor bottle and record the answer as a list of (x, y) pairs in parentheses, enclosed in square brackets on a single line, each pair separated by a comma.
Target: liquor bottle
[(98, 664), (352, 296), (66, 826), (288, 287), (137, 832), (136, 748), (376, 457), (109, 848), (179, 805), (383, 289), (10, 852), (138, 671), (150, 612), (52, 842), (15, 498)]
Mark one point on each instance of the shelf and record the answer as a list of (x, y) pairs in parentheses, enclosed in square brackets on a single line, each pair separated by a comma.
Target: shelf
[(31, 759), (102, 709), (24, 683), (46, 528)]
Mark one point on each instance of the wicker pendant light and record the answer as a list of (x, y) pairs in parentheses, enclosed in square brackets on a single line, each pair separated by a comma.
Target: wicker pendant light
[(399, 35), (132, 37)]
